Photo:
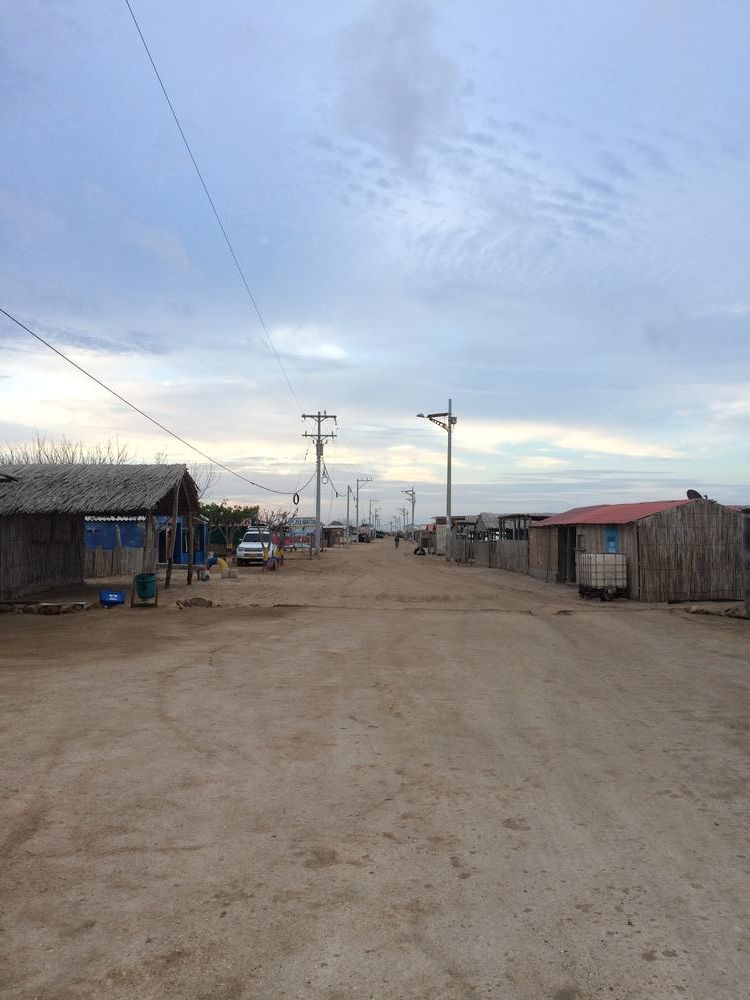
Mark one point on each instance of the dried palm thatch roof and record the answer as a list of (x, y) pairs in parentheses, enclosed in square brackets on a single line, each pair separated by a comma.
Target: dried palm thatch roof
[(487, 522), (96, 489)]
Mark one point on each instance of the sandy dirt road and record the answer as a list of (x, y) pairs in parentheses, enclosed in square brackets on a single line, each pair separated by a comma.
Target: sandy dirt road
[(375, 776)]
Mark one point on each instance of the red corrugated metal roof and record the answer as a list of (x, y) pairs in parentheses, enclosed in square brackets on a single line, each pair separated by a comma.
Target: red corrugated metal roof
[(611, 513)]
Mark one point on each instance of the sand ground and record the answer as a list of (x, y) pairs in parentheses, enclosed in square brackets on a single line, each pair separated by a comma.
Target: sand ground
[(375, 776)]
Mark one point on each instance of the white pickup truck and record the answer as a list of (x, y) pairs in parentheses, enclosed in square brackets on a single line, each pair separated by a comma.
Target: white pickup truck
[(255, 543)]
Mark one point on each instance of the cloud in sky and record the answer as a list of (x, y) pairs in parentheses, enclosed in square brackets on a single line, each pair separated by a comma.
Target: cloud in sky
[(492, 437), (307, 342), (540, 462), (539, 212), (399, 91)]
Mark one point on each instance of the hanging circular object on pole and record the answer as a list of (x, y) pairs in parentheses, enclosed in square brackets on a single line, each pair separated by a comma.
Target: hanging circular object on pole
[(295, 499)]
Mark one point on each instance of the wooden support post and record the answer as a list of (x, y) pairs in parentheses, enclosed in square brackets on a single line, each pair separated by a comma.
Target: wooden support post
[(746, 556), (191, 546), (148, 564), (171, 536)]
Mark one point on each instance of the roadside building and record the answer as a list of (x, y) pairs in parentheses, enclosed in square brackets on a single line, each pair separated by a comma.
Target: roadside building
[(334, 533), (675, 550), (496, 541), (43, 509), (440, 531)]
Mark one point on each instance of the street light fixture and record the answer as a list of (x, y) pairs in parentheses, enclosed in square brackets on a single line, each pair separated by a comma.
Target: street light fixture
[(413, 497), (447, 422)]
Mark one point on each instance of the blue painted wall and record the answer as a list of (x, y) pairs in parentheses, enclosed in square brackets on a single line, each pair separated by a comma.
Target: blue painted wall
[(180, 555)]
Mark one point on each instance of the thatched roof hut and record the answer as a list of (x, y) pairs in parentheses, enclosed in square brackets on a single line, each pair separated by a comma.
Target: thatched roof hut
[(42, 511), (96, 490)]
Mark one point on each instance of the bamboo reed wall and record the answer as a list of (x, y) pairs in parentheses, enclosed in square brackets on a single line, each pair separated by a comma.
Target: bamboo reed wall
[(543, 554), (691, 553), (39, 552)]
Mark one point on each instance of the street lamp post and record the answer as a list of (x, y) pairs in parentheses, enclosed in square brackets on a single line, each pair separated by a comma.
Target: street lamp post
[(413, 497), (366, 479), (447, 422)]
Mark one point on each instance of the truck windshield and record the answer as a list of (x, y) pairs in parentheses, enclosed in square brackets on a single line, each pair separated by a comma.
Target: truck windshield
[(257, 536)]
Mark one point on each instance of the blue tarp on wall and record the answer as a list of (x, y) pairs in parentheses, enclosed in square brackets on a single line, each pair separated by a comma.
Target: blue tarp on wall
[(103, 534)]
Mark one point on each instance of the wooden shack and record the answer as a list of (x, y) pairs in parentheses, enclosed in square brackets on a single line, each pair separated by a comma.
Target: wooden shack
[(43, 507), (334, 534), (676, 550), (497, 541)]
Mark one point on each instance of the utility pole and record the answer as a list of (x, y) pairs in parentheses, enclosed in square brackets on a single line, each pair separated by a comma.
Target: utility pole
[(349, 491), (367, 479), (413, 497), (319, 439), (447, 424)]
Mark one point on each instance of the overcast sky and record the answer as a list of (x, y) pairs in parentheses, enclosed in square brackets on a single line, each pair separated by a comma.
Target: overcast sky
[(538, 209)]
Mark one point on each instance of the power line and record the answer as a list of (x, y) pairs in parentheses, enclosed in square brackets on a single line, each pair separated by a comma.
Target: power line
[(147, 416), (330, 481), (213, 207)]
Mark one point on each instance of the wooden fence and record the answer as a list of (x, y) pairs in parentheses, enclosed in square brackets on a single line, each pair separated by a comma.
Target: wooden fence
[(121, 561), (511, 556), (502, 554)]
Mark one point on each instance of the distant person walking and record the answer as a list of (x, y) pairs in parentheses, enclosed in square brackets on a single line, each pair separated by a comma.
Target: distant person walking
[(396, 540)]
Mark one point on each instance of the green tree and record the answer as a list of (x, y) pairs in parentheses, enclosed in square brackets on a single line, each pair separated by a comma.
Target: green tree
[(226, 519), (229, 513)]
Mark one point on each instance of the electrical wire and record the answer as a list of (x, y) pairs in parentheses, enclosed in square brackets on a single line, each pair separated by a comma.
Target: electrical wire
[(304, 461), (213, 208), (328, 479), (147, 416)]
